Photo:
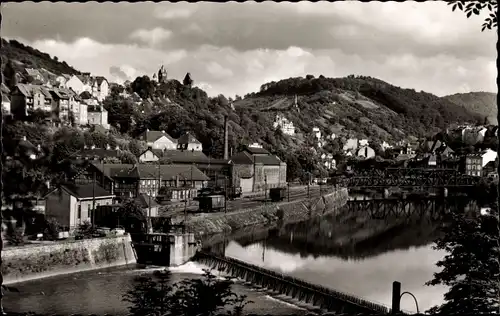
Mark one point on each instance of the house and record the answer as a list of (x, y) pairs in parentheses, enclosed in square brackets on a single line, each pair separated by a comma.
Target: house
[(97, 115), (27, 98), (173, 156), (328, 161), (72, 204), (363, 142), (284, 124), (100, 154), (474, 163), (255, 169), (445, 151), (188, 142), (490, 169), (76, 84), (317, 133), (473, 135), (27, 149), (128, 180), (62, 80), (69, 109), (5, 103), (99, 87), (365, 152), (350, 144), (158, 140), (34, 76)]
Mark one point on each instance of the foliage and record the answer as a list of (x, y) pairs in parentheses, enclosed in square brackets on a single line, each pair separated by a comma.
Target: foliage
[(190, 297), (52, 229), (126, 156), (471, 268), (32, 58), (475, 7), (132, 216), (85, 230), (481, 103), (14, 235)]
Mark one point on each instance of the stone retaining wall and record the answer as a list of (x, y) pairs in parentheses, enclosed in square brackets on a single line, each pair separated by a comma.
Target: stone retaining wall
[(39, 261), (269, 214)]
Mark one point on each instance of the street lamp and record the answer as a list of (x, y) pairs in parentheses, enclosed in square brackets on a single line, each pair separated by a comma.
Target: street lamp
[(396, 298)]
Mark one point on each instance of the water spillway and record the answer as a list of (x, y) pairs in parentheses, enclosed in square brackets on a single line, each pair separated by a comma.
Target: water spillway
[(318, 296)]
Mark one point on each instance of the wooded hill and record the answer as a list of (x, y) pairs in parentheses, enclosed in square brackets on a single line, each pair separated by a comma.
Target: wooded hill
[(481, 103)]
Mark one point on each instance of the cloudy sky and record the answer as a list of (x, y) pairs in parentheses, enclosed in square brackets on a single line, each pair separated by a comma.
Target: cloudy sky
[(233, 48)]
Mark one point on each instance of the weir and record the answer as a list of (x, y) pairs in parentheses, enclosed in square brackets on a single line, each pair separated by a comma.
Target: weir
[(318, 296)]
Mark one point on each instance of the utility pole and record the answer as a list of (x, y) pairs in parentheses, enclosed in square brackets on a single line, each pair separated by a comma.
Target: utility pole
[(93, 200), (308, 183), (150, 223), (225, 194), (288, 190), (265, 188)]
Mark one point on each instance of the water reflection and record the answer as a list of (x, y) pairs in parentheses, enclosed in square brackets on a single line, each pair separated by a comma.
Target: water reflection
[(362, 256)]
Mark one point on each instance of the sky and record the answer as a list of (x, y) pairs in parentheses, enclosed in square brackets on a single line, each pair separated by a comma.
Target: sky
[(234, 48)]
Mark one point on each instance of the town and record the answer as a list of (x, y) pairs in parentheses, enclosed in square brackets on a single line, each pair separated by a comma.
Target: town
[(153, 169)]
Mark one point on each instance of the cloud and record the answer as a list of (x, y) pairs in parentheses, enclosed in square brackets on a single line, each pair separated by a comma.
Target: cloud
[(236, 47), (173, 13), (152, 37)]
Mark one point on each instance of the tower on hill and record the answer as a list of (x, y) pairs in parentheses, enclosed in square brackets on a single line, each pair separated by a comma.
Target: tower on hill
[(162, 74)]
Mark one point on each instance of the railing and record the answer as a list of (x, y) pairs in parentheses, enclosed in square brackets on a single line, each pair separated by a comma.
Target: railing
[(294, 282)]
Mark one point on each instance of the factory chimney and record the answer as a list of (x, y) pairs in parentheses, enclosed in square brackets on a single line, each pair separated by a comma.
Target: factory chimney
[(226, 138)]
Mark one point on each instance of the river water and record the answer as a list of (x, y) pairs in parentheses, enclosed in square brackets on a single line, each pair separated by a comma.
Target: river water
[(360, 256)]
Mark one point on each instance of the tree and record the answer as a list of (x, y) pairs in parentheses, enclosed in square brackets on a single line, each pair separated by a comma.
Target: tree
[(137, 147), (471, 268), (476, 7), (191, 297), (132, 216), (188, 81)]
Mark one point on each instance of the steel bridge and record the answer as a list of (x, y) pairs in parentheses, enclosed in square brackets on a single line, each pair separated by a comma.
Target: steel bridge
[(408, 178), (318, 296)]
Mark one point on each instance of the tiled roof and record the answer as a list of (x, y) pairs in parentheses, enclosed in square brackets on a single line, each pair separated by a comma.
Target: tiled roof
[(152, 136), (188, 139), (145, 171), (82, 191), (98, 153), (29, 90), (33, 72), (98, 79), (60, 93), (181, 156)]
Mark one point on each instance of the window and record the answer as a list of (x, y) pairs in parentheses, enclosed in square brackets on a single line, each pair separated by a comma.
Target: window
[(79, 212)]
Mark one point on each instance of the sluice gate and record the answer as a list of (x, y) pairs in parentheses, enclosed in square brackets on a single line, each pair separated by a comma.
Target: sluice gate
[(316, 295)]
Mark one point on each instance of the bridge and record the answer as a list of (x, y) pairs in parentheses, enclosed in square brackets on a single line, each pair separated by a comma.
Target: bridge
[(319, 296), (408, 178), (382, 208)]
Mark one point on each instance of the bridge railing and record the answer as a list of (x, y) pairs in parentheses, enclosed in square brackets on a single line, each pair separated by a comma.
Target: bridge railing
[(352, 299)]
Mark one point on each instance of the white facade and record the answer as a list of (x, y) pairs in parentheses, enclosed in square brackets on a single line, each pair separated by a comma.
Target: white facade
[(316, 132), (366, 152), (350, 144), (76, 84), (100, 91), (363, 142), (164, 143), (488, 156), (284, 124)]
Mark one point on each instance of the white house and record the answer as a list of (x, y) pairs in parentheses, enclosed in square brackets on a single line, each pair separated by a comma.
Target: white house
[(188, 142), (284, 124), (158, 140), (350, 144), (97, 115), (365, 152), (76, 84), (317, 133), (363, 142), (99, 87)]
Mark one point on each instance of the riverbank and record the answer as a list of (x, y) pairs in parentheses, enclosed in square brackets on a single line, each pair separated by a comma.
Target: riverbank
[(268, 214), (38, 261)]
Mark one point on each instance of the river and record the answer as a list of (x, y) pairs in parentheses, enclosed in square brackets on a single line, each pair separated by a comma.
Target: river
[(359, 255)]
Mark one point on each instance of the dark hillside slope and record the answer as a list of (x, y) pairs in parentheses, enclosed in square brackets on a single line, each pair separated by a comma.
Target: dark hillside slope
[(481, 103)]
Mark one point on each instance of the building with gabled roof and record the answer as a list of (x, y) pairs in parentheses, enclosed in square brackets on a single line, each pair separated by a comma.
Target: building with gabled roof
[(27, 98), (72, 204), (189, 142), (173, 156), (158, 140)]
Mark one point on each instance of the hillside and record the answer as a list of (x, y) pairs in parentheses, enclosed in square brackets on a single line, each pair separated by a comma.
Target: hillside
[(361, 107), (23, 56), (481, 103)]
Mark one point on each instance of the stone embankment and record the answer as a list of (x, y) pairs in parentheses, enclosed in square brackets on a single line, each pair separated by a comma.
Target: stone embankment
[(44, 260), (268, 214)]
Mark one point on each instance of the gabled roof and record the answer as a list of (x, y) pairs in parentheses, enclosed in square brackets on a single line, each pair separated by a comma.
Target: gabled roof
[(33, 72), (83, 191), (188, 139), (29, 90), (98, 80), (179, 156), (147, 171), (61, 94), (98, 153), (152, 136), (5, 98)]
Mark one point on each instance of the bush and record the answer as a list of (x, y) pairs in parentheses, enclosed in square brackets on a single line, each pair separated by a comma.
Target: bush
[(14, 235), (52, 229), (85, 230)]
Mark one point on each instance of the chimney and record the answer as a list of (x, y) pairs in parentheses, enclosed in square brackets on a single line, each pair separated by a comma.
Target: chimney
[(226, 136)]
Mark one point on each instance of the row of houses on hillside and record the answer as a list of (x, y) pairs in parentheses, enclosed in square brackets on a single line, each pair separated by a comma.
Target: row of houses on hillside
[(64, 105), (97, 86)]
